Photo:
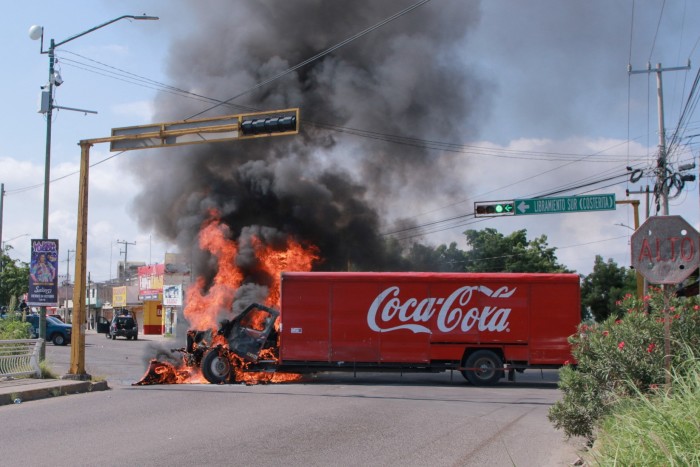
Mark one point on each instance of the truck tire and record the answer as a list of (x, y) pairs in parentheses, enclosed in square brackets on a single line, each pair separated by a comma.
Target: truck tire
[(216, 368), (487, 368)]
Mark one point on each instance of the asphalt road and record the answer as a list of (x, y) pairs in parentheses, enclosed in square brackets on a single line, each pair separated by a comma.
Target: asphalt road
[(332, 419)]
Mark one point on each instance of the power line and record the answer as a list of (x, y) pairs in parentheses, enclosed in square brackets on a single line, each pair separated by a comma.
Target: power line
[(315, 57)]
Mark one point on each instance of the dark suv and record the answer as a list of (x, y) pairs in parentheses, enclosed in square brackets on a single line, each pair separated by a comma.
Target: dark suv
[(57, 331), (125, 326)]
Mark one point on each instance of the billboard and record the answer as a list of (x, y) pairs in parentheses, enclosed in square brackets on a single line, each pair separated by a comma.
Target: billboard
[(172, 295), (119, 296), (151, 281), (43, 273)]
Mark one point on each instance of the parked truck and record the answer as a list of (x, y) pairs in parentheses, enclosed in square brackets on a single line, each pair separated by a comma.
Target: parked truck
[(483, 325)]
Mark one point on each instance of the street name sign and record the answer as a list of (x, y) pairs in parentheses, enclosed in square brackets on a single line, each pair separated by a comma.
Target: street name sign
[(665, 249), (558, 205)]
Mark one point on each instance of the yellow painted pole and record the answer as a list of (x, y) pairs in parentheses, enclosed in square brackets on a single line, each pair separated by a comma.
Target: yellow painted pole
[(77, 351), (640, 278)]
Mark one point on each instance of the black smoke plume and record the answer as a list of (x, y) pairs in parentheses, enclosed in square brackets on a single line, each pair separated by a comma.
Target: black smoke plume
[(325, 186)]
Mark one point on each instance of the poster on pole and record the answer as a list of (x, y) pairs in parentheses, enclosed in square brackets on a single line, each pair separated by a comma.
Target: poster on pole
[(172, 295), (43, 273)]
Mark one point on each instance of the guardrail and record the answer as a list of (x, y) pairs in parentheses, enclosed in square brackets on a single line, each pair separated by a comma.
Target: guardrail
[(20, 357)]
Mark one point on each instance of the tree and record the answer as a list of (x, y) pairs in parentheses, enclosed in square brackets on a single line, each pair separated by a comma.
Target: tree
[(491, 251), (606, 285), (441, 259), (14, 277)]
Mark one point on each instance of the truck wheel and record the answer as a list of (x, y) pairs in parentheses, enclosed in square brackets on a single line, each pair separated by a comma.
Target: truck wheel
[(58, 339), (486, 370), (216, 368)]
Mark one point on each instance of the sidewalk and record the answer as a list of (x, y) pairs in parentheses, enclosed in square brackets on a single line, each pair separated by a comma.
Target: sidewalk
[(16, 391)]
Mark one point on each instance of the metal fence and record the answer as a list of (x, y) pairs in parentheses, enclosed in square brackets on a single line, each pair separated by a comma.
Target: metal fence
[(20, 357)]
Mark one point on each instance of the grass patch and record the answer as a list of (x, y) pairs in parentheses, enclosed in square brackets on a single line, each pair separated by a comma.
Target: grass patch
[(46, 371), (654, 429)]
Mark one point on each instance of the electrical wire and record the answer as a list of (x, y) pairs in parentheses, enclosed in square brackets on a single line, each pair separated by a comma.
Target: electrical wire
[(315, 57)]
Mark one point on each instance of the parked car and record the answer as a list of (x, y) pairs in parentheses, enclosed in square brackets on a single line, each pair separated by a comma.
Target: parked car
[(57, 331), (57, 316), (124, 325)]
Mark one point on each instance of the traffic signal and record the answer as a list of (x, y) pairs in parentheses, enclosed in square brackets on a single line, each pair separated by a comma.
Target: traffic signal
[(266, 125), (494, 208)]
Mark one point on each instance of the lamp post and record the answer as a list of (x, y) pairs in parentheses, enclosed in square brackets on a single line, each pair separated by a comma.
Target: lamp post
[(5, 242), (36, 33)]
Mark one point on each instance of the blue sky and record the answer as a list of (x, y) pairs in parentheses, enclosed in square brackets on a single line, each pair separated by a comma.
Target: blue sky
[(555, 83)]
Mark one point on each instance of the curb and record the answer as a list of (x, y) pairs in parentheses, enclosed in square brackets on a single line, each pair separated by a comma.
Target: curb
[(30, 390)]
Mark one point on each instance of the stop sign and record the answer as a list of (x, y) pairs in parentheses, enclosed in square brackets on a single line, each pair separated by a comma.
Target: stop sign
[(665, 249)]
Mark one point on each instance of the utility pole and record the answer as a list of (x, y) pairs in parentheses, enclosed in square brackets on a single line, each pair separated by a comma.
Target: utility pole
[(2, 202), (89, 292), (661, 167), (661, 192), (126, 252), (67, 280)]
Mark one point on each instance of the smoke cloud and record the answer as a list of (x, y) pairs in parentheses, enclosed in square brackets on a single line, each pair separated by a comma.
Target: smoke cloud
[(324, 187)]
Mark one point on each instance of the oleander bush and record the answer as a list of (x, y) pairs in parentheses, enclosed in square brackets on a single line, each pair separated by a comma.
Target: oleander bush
[(623, 357)]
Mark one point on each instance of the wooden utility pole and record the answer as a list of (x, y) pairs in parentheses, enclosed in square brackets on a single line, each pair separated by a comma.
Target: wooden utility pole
[(661, 166), (662, 189)]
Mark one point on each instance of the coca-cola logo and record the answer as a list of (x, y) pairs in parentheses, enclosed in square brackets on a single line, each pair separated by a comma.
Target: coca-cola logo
[(388, 313)]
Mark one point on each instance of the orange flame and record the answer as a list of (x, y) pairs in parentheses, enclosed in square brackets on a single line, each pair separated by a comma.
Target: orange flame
[(203, 305), (274, 262)]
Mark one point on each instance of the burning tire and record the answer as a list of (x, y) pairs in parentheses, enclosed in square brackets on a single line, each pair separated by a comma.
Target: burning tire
[(485, 368), (216, 368)]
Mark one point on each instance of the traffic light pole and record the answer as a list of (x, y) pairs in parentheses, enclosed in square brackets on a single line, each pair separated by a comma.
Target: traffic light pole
[(641, 283), (243, 126)]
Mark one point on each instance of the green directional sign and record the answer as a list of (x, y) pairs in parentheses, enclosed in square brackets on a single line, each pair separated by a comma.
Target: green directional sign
[(564, 204)]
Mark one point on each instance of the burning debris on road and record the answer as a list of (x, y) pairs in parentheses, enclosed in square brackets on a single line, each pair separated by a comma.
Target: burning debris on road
[(238, 349)]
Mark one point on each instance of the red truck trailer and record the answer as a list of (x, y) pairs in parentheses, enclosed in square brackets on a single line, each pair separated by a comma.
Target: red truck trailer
[(483, 325)]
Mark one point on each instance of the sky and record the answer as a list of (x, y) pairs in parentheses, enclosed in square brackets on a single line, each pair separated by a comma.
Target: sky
[(532, 97)]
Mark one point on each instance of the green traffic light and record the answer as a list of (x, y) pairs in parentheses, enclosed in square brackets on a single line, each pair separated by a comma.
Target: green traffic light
[(499, 208)]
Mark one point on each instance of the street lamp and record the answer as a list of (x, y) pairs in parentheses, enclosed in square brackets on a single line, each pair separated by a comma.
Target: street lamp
[(36, 33), (13, 238)]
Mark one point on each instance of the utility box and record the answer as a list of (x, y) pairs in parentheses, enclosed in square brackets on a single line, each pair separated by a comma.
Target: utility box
[(43, 102)]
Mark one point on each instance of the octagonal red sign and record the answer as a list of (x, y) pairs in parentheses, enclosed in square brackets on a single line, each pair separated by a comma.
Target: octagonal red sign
[(665, 249)]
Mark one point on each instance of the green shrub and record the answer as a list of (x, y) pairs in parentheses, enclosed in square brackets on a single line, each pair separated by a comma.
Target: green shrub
[(14, 328), (621, 357)]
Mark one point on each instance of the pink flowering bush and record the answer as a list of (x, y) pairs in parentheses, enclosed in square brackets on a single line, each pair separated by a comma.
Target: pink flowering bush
[(623, 357)]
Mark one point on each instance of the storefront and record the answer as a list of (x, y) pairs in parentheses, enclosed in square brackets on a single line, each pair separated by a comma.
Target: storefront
[(151, 295)]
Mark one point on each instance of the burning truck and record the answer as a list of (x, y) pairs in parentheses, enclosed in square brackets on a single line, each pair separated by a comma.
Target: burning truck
[(483, 325)]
